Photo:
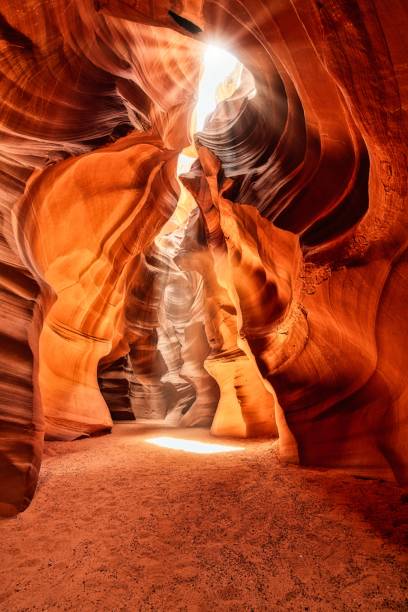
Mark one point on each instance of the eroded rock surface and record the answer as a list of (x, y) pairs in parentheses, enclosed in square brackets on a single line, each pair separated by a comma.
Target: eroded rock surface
[(278, 306)]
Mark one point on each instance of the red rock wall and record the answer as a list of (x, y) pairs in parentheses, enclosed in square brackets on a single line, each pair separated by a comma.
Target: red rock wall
[(302, 252), (342, 402), (73, 82)]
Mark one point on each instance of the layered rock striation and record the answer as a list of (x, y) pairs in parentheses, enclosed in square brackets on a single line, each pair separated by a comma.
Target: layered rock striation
[(276, 307)]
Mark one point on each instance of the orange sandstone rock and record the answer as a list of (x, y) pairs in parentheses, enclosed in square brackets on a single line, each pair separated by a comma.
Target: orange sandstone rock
[(293, 266)]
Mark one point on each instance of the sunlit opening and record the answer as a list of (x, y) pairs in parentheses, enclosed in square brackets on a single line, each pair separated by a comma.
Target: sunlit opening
[(184, 163), (220, 78), (192, 446)]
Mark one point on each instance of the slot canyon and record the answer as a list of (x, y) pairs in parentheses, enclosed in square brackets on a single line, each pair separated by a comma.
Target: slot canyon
[(203, 283)]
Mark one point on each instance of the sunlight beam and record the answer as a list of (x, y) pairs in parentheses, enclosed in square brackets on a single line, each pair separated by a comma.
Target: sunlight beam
[(218, 67)]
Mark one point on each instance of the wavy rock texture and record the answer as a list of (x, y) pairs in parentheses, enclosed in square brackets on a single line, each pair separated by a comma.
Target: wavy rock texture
[(114, 383), (72, 82), (165, 319), (278, 306)]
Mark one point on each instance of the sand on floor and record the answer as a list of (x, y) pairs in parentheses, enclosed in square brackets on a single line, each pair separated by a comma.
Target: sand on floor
[(118, 524)]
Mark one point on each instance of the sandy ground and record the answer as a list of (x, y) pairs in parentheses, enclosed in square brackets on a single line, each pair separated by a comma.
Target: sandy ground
[(119, 524)]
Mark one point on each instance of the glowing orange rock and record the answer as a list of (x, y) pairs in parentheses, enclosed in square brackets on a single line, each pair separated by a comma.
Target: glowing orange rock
[(304, 254)]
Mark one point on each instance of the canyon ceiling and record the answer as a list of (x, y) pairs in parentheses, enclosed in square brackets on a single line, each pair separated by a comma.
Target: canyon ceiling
[(273, 303)]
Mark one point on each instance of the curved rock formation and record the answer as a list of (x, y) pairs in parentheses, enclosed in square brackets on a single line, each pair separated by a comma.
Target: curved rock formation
[(88, 271), (71, 83), (165, 319), (278, 306)]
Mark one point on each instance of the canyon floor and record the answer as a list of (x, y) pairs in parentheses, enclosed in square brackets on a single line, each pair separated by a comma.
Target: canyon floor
[(118, 524)]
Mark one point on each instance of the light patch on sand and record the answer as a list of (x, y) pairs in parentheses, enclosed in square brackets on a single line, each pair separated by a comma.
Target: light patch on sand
[(192, 446)]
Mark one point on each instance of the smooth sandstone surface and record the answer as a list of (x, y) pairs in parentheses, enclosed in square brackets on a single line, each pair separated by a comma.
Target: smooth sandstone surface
[(277, 307)]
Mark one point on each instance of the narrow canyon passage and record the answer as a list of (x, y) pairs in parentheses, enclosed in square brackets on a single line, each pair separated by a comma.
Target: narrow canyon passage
[(119, 524), (259, 292), (203, 290)]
